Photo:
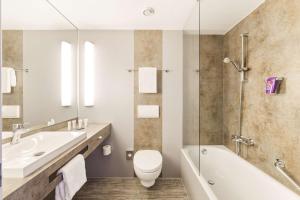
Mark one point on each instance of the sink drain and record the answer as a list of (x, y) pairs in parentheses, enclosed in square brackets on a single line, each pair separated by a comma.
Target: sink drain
[(211, 182), (39, 153)]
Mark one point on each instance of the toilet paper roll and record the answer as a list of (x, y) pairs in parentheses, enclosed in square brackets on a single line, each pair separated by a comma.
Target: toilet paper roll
[(106, 150)]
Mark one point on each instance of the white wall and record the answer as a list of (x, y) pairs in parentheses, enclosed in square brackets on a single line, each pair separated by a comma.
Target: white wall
[(113, 100), (41, 85), (172, 102)]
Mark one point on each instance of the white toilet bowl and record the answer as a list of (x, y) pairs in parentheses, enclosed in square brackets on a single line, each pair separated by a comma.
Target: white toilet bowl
[(147, 166)]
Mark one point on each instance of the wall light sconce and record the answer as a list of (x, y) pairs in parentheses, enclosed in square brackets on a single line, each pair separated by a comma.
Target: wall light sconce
[(89, 73), (66, 74)]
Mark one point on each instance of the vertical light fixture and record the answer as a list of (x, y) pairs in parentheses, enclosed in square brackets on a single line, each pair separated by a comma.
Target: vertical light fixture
[(66, 74), (89, 71)]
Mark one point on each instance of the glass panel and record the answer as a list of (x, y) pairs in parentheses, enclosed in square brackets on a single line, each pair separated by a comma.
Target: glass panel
[(191, 137)]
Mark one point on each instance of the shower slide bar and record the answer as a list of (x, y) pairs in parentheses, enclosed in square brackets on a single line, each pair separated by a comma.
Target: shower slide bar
[(280, 166)]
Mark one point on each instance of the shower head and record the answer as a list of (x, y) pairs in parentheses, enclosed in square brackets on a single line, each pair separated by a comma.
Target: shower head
[(228, 60)]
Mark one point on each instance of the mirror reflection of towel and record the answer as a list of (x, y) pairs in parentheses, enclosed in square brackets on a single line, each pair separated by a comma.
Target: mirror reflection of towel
[(8, 79)]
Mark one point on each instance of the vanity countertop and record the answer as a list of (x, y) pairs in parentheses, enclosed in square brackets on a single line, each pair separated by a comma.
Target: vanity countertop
[(96, 134)]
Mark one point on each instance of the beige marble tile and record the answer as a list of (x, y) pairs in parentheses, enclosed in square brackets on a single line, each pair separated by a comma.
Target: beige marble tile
[(211, 89), (272, 121), (148, 53)]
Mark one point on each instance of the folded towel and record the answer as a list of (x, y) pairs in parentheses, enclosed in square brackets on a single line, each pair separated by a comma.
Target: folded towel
[(147, 80), (8, 79), (74, 177)]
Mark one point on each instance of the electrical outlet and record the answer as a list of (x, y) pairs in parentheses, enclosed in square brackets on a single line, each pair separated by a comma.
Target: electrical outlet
[(129, 155)]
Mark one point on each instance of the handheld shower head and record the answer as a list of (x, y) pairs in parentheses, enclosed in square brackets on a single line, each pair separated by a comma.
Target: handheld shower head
[(228, 60)]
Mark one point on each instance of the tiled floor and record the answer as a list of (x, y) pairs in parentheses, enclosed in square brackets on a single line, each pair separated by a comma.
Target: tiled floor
[(131, 189)]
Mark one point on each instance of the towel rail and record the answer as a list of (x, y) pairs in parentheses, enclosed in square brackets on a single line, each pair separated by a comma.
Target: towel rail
[(280, 165), (20, 69), (163, 70), (54, 176), (25, 69)]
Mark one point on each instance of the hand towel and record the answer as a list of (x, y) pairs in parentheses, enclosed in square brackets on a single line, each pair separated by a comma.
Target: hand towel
[(147, 80), (13, 77), (74, 177), (5, 80), (8, 79)]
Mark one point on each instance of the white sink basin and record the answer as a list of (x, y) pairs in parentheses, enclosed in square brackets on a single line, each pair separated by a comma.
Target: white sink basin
[(32, 152)]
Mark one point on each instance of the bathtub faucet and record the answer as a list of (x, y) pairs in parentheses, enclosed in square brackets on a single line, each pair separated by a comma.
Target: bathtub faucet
[(243, 140)]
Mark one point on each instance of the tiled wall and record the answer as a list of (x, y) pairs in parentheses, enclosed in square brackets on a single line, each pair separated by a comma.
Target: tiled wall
[(272, 121), (211, 89), (12, 49), (148, 53)]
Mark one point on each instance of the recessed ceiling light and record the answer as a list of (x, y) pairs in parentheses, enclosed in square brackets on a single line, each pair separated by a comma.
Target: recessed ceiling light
[(149, 11)]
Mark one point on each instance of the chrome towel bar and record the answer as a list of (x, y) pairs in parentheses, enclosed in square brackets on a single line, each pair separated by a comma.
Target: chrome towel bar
[(280, 165), (58, 177), (134, 70)]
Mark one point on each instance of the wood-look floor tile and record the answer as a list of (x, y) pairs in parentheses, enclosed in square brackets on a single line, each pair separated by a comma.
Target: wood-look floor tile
[(131, 189)]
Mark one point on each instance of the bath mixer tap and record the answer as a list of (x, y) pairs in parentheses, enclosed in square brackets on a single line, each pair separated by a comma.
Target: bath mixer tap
[(243, 140), (17, 128)]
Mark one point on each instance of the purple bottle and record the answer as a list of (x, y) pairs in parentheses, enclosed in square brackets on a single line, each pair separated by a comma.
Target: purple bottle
[(271, 85)]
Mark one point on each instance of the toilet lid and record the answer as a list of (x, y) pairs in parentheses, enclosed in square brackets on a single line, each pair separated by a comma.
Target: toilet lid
[(148, 160)]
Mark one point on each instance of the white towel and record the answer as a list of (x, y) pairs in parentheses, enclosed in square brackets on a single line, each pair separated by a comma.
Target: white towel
[(13, 77), (8, 79), (74, 177), (147, 80)]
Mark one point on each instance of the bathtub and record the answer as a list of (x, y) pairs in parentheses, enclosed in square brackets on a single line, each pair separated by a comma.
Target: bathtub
[(225, 176)]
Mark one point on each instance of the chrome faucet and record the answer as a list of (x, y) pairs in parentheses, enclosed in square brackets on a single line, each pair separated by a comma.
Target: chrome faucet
[(238, 140), (16, 128), (243, 140)]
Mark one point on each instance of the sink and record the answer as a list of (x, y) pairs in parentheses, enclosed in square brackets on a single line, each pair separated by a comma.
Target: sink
[(32, 152)]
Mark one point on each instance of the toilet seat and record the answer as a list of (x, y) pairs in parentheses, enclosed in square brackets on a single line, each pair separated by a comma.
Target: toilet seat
[(148, 161)]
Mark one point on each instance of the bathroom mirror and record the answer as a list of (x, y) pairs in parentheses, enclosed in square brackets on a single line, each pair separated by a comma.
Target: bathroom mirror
[(39, 72)]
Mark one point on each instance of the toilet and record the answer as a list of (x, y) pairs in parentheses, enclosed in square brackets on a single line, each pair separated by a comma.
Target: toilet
[(147, 166)]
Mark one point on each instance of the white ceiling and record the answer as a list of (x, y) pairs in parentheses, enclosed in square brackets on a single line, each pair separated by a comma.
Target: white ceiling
[(31, 14), (216, 16), (220, 16), (126, 14), (96, 14)]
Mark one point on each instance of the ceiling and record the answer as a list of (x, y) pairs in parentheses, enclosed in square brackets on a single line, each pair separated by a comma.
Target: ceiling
[(31, 14), (216, 16), (220, 16), (96, 14), (126, 14)]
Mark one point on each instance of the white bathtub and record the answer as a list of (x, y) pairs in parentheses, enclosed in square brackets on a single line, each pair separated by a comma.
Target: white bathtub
[(233, 178)]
